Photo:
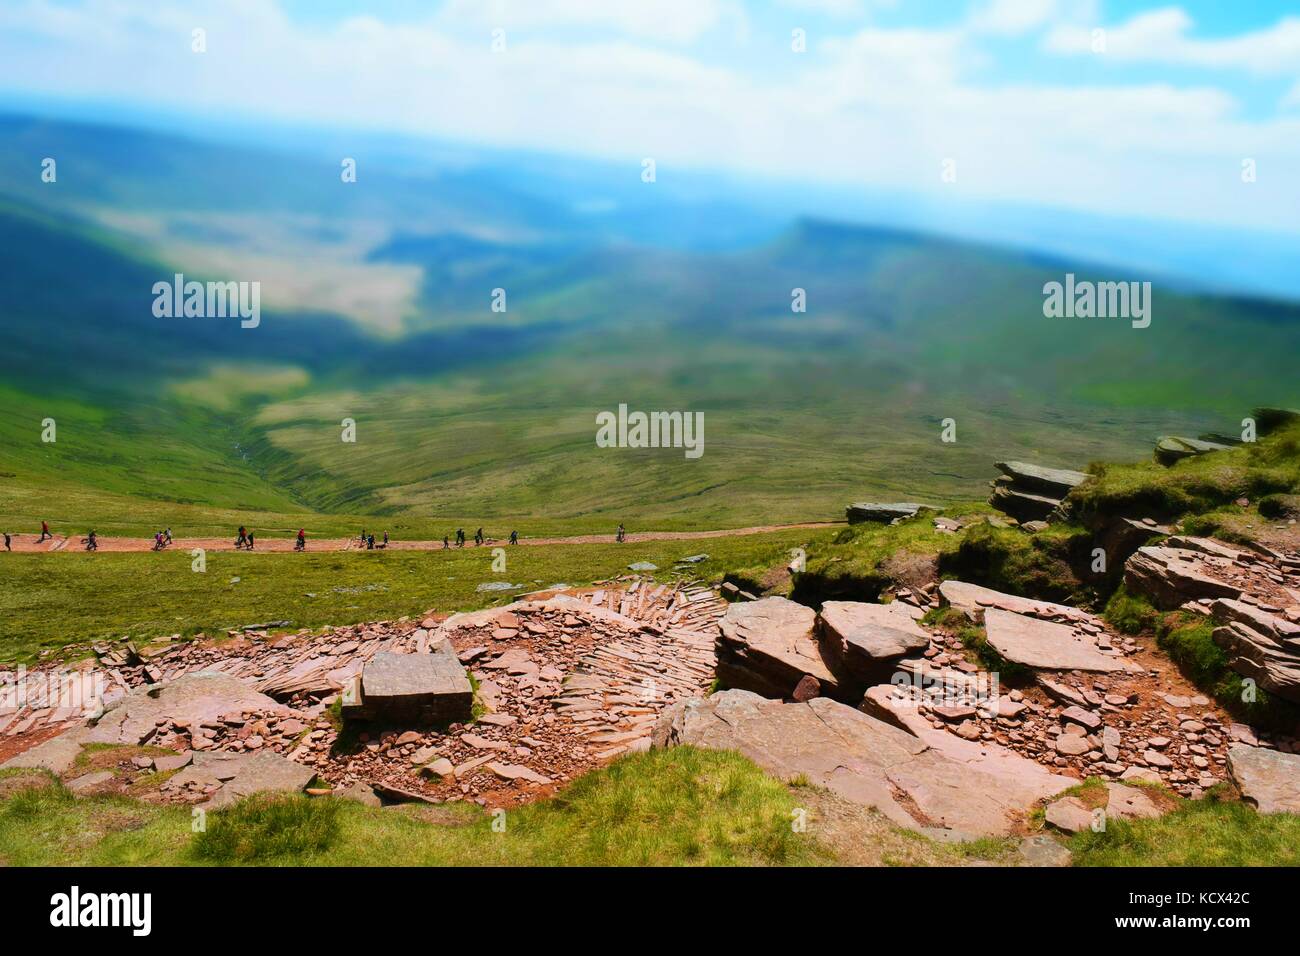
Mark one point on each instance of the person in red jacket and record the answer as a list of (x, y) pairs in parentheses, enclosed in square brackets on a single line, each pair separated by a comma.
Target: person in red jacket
[(45, 531), (302, 541)]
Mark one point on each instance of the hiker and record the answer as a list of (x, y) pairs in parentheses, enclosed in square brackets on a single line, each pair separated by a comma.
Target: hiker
[(301, 544), (460, 537), (514, 537), (370, 543), (445, 543), (167, 535), (243, 537), (478, 537), (7, 548), (92, 543), (250, 541), (45, 531), (157, 541), (385, 539), (622, 535)]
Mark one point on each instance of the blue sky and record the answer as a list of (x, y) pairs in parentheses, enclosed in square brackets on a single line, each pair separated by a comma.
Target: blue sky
[(887, 95)]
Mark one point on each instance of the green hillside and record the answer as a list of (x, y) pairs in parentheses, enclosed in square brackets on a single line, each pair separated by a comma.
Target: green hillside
[(465, 414)]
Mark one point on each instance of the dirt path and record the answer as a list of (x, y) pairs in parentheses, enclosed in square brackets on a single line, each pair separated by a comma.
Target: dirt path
[(27, 543)]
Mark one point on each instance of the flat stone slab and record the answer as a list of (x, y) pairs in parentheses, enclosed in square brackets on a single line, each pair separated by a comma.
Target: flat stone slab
[(56, 755), (883, 511), (767, 646), (974, 599), (90, 781), (867, 640), (1030, 781), (1042, 850), (1171, 448), (1024, 506), (1046, 645), (863, 759), (1267, 779), (262, 772), (418, 687), (1056, 482)]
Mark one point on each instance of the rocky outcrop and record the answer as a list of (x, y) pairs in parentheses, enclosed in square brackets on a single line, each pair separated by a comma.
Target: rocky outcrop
[(866, 641), (862, 759), (1031, 492), (1267, 779), (884, 512), (1252, 593), (1170, 577), (768, 646), (1260, 645)]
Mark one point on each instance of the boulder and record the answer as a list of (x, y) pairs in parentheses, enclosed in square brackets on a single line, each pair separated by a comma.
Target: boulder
[(420, 688), (1170, 577), (1046, 645), (1267, 779), (866, 641), (862, 759), (768, 646), (885, 512)]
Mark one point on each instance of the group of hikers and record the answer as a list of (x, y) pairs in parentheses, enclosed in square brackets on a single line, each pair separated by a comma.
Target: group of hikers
[(479, 538), (246, 541), (368, 540)]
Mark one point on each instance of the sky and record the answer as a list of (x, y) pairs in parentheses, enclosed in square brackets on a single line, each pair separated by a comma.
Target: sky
[(1119, 108)]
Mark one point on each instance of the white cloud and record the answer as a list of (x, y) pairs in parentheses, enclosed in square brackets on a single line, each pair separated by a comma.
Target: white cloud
[(844, 9), (673, 21), (1161, 36), (1013, 17), (878, 108)]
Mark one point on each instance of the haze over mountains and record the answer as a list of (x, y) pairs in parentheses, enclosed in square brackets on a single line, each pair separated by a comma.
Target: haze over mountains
[(377, 298)]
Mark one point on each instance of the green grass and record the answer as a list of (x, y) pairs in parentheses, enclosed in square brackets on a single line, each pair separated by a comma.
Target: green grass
[(63, 602), (667, 807), (1195, 486), (852, 565), (1130, 613), (1205, 832), (1053, 565)]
